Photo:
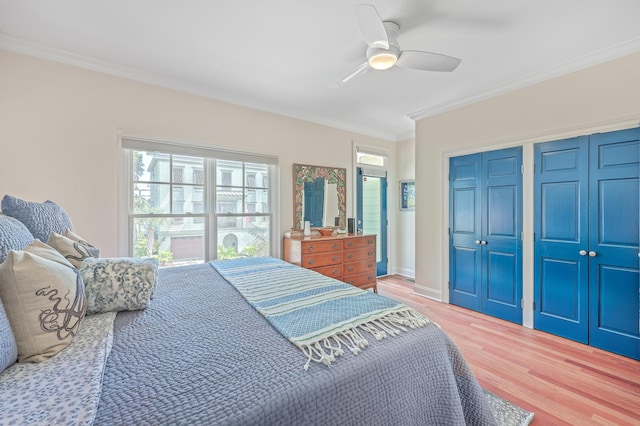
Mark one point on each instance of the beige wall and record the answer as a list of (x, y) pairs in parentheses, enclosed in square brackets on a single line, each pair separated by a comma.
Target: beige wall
[(405, 224), (59, 126), (603, 97)]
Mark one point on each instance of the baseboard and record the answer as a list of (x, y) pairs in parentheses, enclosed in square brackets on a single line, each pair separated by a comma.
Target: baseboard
[(406, 272), (427, 292)]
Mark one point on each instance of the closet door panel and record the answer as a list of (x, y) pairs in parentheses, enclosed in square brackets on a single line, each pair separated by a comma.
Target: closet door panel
[(502, 225), (614, 278), (561, 265), (464, 219)]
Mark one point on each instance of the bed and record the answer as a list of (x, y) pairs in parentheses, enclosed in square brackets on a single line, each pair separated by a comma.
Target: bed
[(201, 353)]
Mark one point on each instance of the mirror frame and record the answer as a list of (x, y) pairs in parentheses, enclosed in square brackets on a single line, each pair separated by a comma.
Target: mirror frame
[(307, 173)]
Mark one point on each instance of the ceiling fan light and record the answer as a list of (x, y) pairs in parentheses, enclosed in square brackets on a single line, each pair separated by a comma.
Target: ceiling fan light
[(382, 60)]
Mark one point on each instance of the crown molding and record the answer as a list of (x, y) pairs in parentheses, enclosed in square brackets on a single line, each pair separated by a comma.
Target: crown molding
[(604, 55), (38, 50)]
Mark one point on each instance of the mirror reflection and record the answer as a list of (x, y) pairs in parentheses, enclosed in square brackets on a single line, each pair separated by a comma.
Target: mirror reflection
[(319, 196)]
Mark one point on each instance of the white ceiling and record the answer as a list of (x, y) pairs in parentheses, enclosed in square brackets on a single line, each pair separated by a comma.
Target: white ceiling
[(283, 55)]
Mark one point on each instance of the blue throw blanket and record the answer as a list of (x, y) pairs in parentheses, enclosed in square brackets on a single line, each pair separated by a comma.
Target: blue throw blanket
[(318, 314)]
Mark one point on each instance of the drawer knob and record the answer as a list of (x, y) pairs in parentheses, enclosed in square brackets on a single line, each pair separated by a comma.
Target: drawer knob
[(335, 246), (350, 256), (370, 253), (350, 243), (351, 282), (335, 258), (310, 262), (370, 265), (370, 241), (370, 278), (350, 268), (310, 247), (335, 272)]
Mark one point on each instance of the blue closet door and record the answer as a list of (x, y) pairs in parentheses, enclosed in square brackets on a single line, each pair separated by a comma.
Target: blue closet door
[(465, 232), (561, 290), (587, 276), (502, 229), (485, 233), (614, 275)]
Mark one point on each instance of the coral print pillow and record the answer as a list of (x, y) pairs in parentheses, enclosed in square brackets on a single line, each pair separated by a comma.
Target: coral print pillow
[(44, 299), (74, 248), (118, 284)]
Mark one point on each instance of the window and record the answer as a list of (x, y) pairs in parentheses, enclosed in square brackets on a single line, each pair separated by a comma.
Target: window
[(225, 177), (251, 179), (178, 173), (198, 176), (178, 215), (370, 158)]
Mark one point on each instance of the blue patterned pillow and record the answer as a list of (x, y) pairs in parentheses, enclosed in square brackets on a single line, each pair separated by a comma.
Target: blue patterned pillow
[(118, 284), (8, 346), (40, 218), (13, 236)]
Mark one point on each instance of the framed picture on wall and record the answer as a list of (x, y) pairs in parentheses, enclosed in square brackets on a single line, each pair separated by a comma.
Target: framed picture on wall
[(407, 195)]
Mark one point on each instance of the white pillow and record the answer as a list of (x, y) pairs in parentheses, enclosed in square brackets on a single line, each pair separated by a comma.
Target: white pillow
[(44, 298), (72, 247)]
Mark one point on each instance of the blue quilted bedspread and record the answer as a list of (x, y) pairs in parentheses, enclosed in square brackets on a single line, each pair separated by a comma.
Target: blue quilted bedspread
[(201, 355)]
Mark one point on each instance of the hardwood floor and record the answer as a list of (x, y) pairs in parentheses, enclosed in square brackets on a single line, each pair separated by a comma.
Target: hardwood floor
[(561, 381)]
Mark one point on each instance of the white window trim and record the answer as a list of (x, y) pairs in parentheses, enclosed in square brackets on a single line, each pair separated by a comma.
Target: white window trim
[(127, 143)]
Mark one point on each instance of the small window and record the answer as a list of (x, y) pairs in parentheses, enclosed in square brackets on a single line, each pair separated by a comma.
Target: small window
[(370, 159), (251, 179), (225, 177), (178, 175), (198, 176)]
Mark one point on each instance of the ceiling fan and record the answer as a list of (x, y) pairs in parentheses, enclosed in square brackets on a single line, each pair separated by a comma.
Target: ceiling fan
[(384, 52)]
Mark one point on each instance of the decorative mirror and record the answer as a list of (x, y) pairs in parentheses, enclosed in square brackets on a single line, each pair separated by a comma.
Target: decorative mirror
[(319, 196)]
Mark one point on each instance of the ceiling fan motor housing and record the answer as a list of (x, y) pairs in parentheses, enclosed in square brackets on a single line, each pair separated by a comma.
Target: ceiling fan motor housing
[(380, 58)]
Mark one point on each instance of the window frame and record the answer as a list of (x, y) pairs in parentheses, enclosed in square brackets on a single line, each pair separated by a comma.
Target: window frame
[(128, 144)]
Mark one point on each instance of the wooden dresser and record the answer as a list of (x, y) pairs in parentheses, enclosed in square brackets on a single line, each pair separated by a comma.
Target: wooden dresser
[(347, 257)]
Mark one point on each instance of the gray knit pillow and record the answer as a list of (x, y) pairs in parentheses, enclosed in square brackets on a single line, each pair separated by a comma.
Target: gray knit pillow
[(13, 236), (8, 346), (40, 218)]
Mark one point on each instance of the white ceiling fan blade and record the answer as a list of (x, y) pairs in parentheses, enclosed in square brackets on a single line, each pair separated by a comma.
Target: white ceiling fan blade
[(427, 61), (363, 68), (371, 25)]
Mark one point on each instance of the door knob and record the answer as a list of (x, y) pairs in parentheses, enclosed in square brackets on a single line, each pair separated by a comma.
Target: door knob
[(592, 254), (582, 252), (483, 243), (478, 241)]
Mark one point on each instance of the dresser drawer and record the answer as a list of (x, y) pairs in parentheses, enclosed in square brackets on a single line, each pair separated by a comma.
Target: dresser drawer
[(365, 253), (363, 280), (353, 243), (333, 271), (320, 246), (360, 266), (321, 259)]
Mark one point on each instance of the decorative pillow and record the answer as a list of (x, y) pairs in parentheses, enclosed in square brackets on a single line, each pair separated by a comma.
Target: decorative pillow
[(8, 346), (13, 235), (44, 299), (72, 247), (40, 218), (93, 250), (118, 284)]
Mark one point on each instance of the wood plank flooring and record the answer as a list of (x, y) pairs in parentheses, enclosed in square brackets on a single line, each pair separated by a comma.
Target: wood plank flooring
[(561, 381)]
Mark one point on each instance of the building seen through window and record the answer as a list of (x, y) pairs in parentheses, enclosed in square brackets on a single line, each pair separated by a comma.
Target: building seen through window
[(176, 214)]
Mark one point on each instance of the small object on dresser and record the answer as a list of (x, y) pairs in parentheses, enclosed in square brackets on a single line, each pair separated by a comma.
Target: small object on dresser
[(307, 227), (325, 232)]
